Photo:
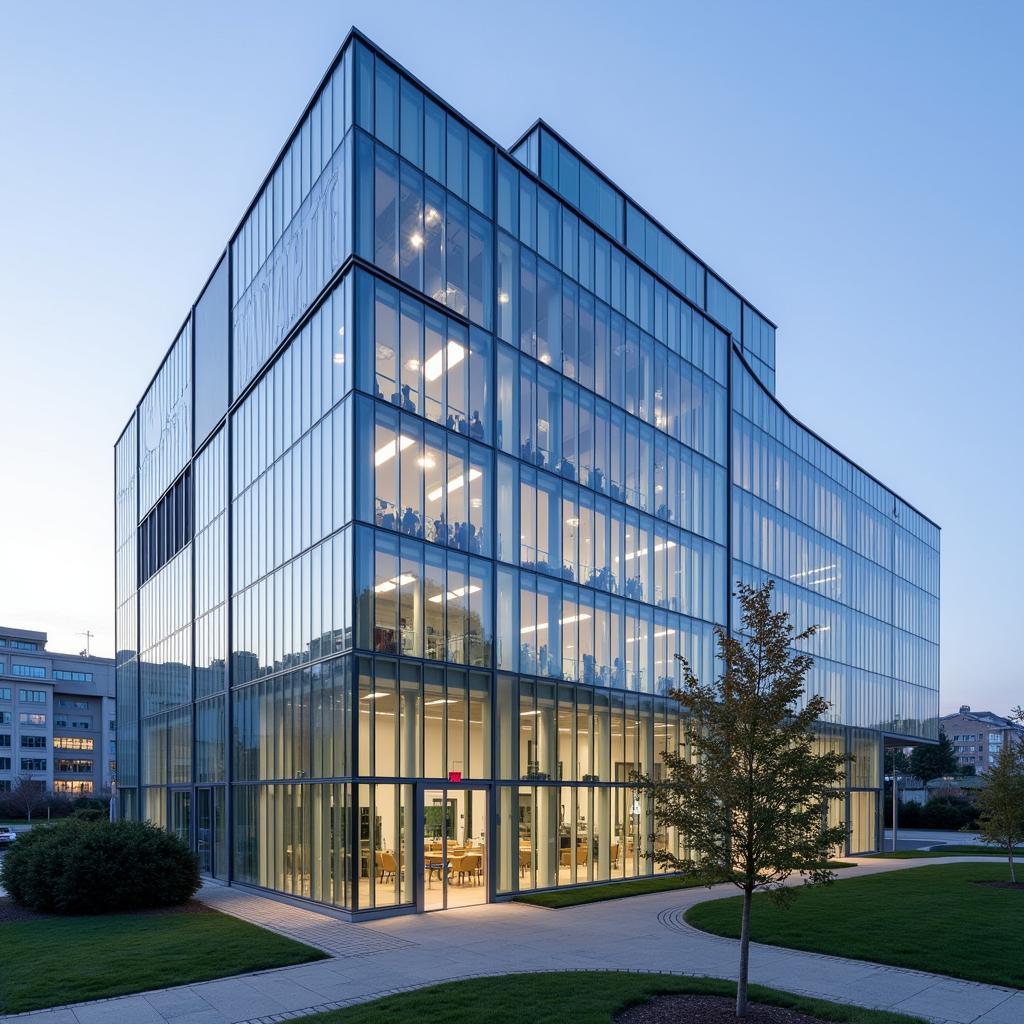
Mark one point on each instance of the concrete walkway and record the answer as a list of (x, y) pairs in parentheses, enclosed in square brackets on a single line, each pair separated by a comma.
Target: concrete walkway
[(925, 838), (642, 933)]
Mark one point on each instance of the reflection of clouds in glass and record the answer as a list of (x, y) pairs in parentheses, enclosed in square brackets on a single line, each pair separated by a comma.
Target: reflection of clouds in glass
[(274, 295), (165, 439)]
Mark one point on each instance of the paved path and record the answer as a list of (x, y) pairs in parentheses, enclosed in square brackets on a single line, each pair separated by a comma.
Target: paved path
[(924, 838), (642, 933)]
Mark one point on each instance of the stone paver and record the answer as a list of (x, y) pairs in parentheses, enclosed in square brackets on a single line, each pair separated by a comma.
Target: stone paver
[(643, 933), (332, 934)]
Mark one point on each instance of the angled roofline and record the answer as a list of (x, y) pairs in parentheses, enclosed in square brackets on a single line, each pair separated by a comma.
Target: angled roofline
[(541, 123), (356, 33), (828, 444)]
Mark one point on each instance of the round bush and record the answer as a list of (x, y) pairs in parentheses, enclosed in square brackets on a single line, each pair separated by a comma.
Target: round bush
[(78, 866), (88, 814)]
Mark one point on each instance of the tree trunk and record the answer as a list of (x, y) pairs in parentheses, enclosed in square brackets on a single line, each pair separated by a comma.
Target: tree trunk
[(741, 983), (1013, 872)]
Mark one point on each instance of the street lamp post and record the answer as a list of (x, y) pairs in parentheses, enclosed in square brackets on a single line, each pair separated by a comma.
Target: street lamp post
[(895, 804)]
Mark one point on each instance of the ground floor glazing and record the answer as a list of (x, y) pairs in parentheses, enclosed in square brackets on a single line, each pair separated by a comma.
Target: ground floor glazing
[(372, 846), (379, 785)]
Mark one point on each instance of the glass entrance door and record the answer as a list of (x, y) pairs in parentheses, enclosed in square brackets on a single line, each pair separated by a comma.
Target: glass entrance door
[(454, 847)]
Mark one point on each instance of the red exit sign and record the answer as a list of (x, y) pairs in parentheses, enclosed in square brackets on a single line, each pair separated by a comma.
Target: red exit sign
[(455, 776)]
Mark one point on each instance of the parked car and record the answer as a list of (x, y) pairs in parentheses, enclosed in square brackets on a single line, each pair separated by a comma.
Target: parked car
[(7, 836)]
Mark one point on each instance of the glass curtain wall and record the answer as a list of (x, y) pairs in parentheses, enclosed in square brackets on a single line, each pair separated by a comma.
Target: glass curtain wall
[(498, 444)]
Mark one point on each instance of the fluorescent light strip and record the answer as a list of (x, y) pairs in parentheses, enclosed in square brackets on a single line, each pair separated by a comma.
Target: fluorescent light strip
[(562, 622), (434, 366), (457, 592), (643, 551), (453, 485), (659, 633), (811, 572), (392, 584), (389, 450)]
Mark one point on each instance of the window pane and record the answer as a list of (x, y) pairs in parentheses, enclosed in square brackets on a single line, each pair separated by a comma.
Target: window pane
[(480, 164), (387, 104), (411, 123), (457, 157), (433, 139)]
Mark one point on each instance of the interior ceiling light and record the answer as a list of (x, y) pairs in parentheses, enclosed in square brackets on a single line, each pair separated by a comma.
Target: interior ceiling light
[(562, 622), (454, 484), (434, 366), (457, 592), (812, 572), (392, 584), (391, 448)]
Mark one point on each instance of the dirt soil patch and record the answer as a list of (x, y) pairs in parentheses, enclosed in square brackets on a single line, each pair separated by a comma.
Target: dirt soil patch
[(1002, 885), (708, 1010)]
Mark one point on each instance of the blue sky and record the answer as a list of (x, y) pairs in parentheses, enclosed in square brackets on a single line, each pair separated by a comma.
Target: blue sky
[(853, 169)]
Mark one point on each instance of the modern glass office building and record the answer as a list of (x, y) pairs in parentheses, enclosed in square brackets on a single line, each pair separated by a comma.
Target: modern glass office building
[(455, 452)]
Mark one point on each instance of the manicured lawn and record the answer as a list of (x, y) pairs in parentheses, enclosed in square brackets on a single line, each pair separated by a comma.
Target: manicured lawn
[(919, 918), (71, 959), (560, 898), (953, 851), (587, 997)]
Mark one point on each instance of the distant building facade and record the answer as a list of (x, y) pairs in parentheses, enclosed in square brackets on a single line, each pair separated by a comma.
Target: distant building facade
[(979, 736), (57, 723)]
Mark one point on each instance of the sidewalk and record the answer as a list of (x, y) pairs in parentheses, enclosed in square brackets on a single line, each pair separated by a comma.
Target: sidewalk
[(923, 838), (641, 933)]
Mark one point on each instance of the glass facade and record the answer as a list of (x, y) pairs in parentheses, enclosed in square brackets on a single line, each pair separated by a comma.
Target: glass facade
[(474, 448)]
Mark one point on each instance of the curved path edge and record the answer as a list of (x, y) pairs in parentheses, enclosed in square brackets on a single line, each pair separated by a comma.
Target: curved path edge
[(639, 934)]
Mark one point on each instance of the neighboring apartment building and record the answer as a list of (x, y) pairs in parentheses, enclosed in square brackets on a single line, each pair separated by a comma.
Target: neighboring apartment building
[(979, 736), (57, 723), (455, 452)]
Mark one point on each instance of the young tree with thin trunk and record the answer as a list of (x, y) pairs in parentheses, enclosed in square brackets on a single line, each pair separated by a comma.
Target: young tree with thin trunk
[(28, 795), (1002, 801), (750, 791)]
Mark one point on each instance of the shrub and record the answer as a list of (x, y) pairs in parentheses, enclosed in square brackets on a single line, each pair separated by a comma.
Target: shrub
[(950, 812), (911, 814), (79, 866), (941, 812), (88, 814)]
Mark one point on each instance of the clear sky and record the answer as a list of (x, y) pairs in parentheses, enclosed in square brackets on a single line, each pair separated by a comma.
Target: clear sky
[(854, 169)]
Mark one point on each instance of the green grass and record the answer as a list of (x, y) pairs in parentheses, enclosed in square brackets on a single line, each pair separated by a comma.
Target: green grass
[(559, 898), (918, 918), (71, 959), (585, 997), (951, 851)]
